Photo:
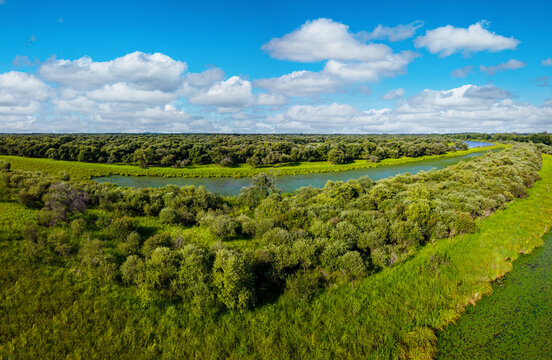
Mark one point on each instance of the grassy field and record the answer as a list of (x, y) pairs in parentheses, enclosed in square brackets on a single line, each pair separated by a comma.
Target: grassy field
[(392, 314), (85, 171)]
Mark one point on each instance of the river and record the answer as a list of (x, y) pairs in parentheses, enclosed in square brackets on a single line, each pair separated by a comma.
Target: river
[(290, 183)]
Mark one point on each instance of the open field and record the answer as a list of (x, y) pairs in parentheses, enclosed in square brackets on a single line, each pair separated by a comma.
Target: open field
[(86, 171)]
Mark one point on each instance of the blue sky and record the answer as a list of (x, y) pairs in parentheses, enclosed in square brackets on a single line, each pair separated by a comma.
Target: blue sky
[(275, 66)]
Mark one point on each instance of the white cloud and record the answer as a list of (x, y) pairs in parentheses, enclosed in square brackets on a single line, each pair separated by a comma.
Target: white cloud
[(22, 96), (324, 39), (336, 75), (228, 93), (448, 40), (348, 59), (271, 99), (18, 87), (122, 92), (511, 64), (390, 66), (466, 108), (393, 94), (397, 33), (547, 62), (307, 118), (462, 72), (146, 71), (205, 78), (301, 83)]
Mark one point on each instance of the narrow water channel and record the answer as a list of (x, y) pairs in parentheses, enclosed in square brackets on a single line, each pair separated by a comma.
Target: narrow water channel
[(514, 322), (287, 183)]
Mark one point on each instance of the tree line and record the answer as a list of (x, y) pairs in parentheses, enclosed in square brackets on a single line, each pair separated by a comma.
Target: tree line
[(540, 138), (225, 150)]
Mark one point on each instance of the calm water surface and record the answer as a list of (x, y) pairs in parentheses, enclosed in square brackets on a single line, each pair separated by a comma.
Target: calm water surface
[(286, 183), (514, 322)]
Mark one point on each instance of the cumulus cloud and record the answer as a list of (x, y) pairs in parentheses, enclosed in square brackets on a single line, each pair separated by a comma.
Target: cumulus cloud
[(393, 94), (324, 39), (301, 83), (349, 59), (232, 92), (307, 118), (205, 78), (547, 62), (511, 64), (390, 66), (462, 72), (396, 33), (122, 92), (336, 75), (22, 96), (146, 71), (267, 99), (448, 40), (466, 108)]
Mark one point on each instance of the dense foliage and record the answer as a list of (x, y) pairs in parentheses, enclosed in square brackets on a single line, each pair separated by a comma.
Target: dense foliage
[(542, 138), (80, 306), (300, 243), (226, 150)]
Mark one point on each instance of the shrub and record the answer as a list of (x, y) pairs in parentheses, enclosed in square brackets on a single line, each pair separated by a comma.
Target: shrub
[(131, 245), (155, 241), (168, 216), (121, 227), (132, 269)]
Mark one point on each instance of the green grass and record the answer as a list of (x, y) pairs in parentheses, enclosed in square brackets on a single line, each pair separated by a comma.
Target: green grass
[(514, 322), (391, 314), (12, 218), (85, 171)]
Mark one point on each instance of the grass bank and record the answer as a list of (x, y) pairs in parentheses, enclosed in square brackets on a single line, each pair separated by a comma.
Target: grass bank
[(86, 171)]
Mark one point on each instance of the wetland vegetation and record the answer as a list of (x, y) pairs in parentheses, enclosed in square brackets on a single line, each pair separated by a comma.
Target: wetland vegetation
[(357, 268)]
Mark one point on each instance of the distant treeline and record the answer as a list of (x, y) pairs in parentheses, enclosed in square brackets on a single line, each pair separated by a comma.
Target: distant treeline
[(541, 138), (225, 150), (295, 244)]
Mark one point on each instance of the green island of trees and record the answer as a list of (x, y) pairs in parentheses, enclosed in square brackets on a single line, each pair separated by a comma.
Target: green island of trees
[(357, 269)]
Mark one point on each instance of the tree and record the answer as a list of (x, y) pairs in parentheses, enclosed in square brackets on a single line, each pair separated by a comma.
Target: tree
[(98, 264), (262, 185), (336, 156), (132, 269), (232, 279), (63, 200), (155, 241), (194, 276)]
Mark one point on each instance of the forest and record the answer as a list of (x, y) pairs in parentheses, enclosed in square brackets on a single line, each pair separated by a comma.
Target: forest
[(210, 259), (225, 150), (541, 138)]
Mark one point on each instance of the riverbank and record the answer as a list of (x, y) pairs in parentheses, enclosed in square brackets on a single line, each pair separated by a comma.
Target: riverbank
[(86, 171)]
